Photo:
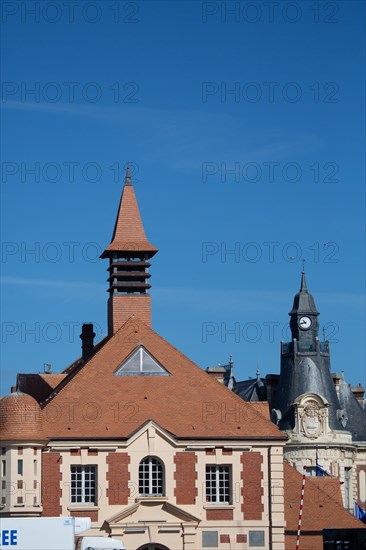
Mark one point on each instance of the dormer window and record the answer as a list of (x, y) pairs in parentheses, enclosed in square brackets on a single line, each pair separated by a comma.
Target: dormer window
[(141, 363)]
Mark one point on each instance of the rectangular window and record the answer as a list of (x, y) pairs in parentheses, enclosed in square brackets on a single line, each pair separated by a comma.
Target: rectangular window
[(218, 484), (256, 538), (210, 539), (35, 468), (20, 467), (83, 484), (3, 468)]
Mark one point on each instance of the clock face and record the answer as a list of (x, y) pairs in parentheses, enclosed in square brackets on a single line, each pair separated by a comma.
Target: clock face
[(304, 323)]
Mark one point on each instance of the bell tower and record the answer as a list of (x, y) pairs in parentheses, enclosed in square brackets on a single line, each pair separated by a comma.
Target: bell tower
[(128, 254), (305, 371), (304, 318)]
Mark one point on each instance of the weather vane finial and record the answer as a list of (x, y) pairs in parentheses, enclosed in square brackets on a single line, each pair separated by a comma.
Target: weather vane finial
[(128, 175)]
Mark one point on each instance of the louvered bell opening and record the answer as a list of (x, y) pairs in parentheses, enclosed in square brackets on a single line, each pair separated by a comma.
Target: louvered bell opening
[(128, 275)]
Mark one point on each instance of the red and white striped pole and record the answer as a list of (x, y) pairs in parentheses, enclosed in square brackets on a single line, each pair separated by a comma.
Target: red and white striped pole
[(301, 506)]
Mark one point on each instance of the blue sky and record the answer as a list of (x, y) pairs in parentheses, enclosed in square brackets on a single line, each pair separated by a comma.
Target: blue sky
[(245, 133)]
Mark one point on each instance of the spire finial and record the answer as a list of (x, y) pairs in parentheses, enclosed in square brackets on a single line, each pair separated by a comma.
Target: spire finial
[(303, 279), (231, 379), (128, 175)]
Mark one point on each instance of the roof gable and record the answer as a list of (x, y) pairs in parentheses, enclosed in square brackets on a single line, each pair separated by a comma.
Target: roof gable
[(160, 510), (94, 403)]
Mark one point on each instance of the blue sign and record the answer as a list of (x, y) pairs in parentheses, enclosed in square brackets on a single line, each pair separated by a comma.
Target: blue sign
[(9, 537)]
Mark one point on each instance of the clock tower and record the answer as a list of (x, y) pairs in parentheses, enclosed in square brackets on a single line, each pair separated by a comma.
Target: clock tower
[(306, 405), (304, 318)]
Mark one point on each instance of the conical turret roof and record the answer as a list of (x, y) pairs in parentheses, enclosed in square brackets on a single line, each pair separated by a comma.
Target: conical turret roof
[(129, 234)]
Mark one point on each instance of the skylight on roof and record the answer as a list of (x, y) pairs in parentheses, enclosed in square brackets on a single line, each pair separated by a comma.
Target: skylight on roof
[(140, 363)]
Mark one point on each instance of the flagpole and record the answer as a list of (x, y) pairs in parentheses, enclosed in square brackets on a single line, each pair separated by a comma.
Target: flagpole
[(316, 460), (301, 507)]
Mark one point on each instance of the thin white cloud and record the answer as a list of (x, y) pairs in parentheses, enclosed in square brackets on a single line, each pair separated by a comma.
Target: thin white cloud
[(184, 139), (245, 300), (20, 281)]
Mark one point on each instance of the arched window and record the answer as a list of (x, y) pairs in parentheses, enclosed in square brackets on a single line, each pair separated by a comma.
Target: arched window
[(151, 477)]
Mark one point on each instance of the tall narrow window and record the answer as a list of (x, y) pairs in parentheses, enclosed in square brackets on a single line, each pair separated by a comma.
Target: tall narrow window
[(347, 488), (20, 467), (83, 484), (3, 468), (151, 477), (218, 484), (362, 485)]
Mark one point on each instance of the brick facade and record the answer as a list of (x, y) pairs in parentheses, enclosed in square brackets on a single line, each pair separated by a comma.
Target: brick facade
[(118, 477), (252, 490), (51, 484), (185, 478), (92, 514), (121, 308), (220, 514)]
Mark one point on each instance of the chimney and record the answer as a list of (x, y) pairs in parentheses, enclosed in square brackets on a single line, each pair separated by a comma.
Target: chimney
[(87, 340), (217, 372), (359, 393)]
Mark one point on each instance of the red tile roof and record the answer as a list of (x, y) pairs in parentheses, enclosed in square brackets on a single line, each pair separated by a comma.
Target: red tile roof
[(20, 418), (129, 231), (94, 403), (38, 386), (323, 509)]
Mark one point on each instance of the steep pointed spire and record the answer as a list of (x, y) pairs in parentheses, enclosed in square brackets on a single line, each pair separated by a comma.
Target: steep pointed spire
[(128, 253), (231, 379), (303, 300), (129, 234), (303, 287)]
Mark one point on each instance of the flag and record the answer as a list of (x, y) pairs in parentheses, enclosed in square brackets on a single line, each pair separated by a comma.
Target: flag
[(359, 512), (320, 470)]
